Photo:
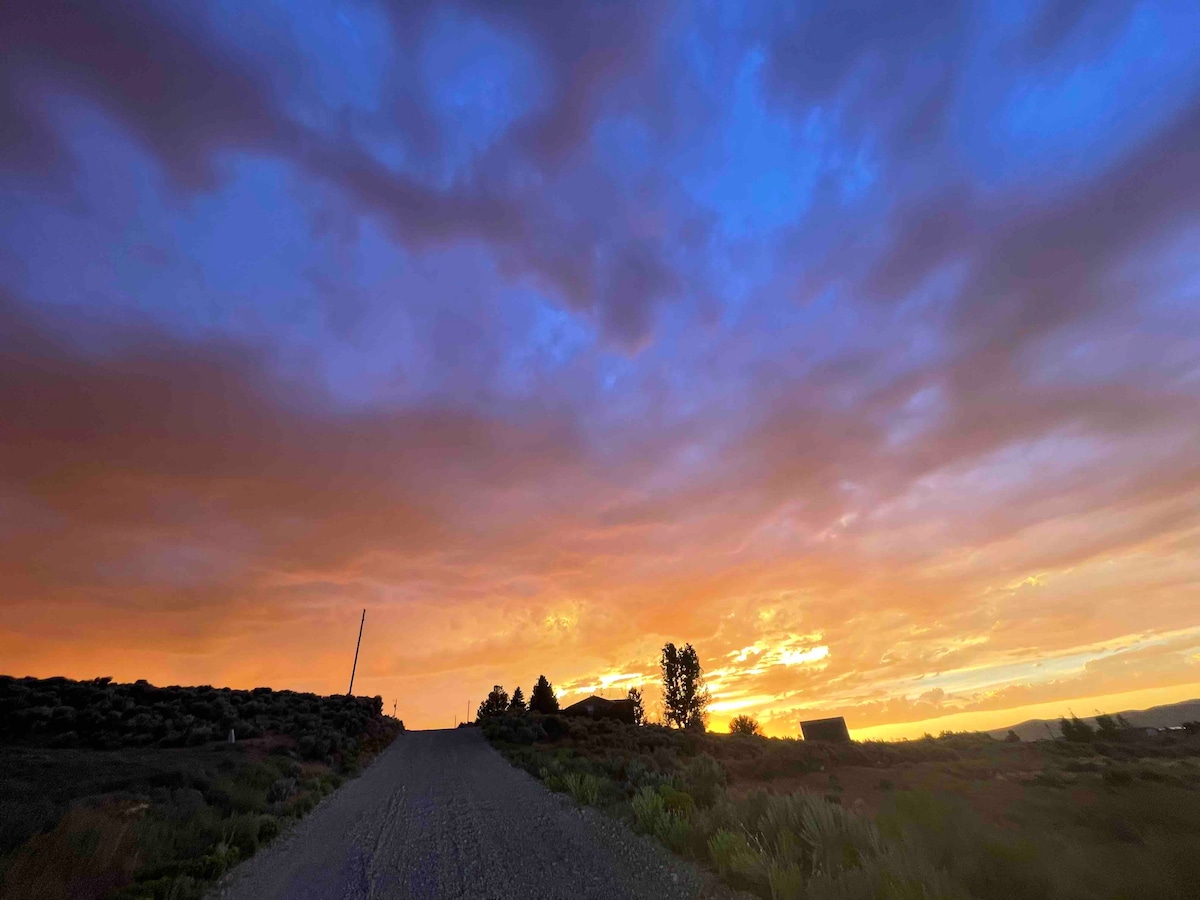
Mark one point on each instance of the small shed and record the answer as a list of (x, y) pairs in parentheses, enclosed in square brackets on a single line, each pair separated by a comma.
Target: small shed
[(601, 708), (833, 730)]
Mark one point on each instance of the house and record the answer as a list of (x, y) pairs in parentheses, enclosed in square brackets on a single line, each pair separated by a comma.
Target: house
[(600, 708), (833, 730)]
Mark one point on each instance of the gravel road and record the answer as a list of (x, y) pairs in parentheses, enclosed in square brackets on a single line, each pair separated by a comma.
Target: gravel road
[(440, 814)]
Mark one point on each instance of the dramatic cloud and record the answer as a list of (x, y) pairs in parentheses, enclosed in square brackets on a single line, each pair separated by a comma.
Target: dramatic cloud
[(857, 345)]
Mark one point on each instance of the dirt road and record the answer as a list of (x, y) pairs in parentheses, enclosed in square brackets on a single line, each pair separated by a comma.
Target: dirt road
[(440, 815)]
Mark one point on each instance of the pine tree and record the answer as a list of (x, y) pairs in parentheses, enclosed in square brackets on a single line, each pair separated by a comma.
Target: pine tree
[(517, 704), (541, 698), (496, 703), (639, 710)]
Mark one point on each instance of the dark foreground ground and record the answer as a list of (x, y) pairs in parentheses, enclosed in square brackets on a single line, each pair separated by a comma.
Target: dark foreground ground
[(131, 792), (441, 815)]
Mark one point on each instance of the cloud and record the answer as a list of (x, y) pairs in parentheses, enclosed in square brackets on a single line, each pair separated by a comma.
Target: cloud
[(653, 326)]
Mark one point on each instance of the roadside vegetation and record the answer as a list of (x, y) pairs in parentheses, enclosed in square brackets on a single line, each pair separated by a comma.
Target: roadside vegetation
[(133, 791), (961, 815), (1107, 812)]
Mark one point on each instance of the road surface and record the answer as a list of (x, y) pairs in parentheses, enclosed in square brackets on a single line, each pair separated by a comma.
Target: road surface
[(441, 815)]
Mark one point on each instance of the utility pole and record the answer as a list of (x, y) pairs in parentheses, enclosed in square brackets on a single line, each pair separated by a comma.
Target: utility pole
[(350, 692)]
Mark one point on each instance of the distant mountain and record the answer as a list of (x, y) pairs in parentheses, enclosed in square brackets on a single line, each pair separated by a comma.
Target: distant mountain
[(1155, 717)]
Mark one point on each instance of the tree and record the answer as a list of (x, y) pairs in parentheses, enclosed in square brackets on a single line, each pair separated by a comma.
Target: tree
[(517, 704), (541, 698), (639, 711), (685, 699), (496, 703), (744, 725), (1076, 729), (1012, 737)]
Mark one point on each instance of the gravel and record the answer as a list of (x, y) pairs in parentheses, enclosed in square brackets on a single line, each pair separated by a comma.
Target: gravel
[(440, 814)]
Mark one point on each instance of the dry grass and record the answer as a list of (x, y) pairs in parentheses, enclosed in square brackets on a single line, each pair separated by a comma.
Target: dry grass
[(962, 815)]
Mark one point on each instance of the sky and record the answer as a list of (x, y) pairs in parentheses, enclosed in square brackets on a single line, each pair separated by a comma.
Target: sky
[(856, 344)]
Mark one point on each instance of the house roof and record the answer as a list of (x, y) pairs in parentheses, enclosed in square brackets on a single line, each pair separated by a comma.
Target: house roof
[(598, 703)]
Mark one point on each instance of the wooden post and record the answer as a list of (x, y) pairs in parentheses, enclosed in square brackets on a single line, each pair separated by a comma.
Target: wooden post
[(350, 692)]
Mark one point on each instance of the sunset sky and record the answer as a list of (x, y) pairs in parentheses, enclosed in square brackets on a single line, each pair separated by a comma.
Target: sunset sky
[(856, 344)]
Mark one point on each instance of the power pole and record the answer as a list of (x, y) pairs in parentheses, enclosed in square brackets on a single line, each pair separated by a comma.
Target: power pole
[(350, 691)]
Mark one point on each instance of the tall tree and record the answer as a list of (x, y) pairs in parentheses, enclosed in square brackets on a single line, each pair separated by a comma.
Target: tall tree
[(639, 709), (517, 704), (541, 698), (685, 699), (496, 703), (673, 713)]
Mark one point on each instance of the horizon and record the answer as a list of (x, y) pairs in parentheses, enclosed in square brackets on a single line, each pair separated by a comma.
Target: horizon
[(860, 351), (979, 722)]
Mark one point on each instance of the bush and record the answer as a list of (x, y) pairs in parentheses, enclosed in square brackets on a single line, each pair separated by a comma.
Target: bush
[(732, 854), (652, 816), (705, 779), (281, 789), (648, 809), (582, 787), (745, 725), (786, 881), (676, 801), (1076, 730), (554, 727)]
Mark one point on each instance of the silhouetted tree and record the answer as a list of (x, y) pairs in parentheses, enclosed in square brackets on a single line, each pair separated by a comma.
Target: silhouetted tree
[(496, 703), (1076, 730), (685, 699), (517, 704), (1012, 737), (744, 725), (1107, 725), (639, 710), (541, 698)]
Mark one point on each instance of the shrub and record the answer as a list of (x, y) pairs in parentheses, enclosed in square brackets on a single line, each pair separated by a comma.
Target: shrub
[(892, 874), (732, 854), (676, 801), (648, 809), (1076, 730), (674, 831), (652, 816), (553, 779), (1117, 777), (281, 789), (705, 779), (786, 881), (555, 727), (583, 788), (745, 725), (835, 838)]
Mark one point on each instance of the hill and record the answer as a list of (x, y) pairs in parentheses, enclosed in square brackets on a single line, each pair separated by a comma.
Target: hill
[(1171, 714), (148, 774), (100, 715)]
